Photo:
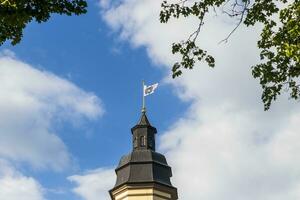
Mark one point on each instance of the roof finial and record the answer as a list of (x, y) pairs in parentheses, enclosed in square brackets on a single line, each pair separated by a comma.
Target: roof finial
[(143, 110), (144, 106)]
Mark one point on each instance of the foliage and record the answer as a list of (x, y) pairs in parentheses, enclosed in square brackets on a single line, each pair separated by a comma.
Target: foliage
[(279, 43), (16, 14)]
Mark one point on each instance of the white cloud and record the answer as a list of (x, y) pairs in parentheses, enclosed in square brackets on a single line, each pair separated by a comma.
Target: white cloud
[(229, 156), (31, 102), (94, 185), (104, 3), (225, 146), (15, 186)]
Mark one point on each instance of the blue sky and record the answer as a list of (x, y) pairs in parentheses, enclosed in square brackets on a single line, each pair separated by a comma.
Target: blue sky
[(86, 52), (72, 89)]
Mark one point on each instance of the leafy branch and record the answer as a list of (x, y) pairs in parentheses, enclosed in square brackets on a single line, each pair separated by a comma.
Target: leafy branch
[(279, 43), (16, 14)]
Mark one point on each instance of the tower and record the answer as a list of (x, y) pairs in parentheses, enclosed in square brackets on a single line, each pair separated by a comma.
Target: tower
[(144, 173)]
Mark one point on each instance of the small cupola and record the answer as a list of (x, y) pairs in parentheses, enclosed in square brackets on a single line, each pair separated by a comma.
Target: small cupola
[(143, 134)]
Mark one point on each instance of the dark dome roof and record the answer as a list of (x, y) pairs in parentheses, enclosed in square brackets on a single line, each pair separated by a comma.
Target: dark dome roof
[(143, 166)]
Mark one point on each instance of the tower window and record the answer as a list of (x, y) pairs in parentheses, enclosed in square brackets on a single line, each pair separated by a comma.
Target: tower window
[(143, 141), (135, 142)]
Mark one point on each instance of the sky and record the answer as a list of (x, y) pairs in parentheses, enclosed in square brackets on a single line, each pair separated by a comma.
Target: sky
[(72, 89)]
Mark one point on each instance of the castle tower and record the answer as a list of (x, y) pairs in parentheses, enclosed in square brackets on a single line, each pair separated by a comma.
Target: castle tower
[(143, 174)]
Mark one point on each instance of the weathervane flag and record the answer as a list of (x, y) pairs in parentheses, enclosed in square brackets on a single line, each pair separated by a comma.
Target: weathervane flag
[(147, 90)]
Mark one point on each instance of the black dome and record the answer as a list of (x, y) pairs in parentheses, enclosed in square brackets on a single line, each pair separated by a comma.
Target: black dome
[(143, 166)]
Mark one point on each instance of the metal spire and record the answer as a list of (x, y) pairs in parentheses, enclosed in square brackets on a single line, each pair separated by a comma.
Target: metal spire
[(144, 106)]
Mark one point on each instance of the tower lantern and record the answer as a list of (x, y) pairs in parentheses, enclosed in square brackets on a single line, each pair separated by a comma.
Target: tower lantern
[(143, 134)]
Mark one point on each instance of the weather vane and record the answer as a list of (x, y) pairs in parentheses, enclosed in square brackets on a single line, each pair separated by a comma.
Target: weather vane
[(147, 90)]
